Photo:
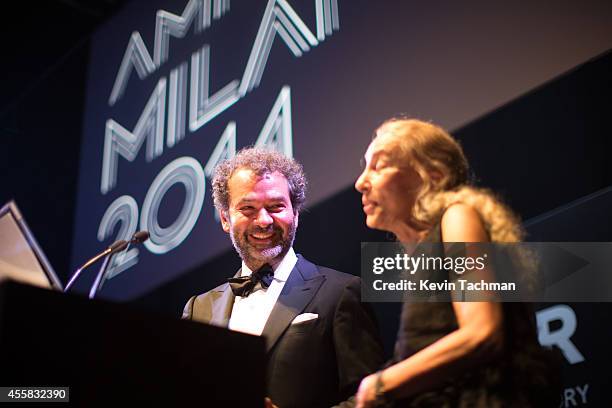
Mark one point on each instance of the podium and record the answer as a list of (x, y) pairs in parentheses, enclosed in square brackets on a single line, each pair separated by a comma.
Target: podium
[(109, 354)]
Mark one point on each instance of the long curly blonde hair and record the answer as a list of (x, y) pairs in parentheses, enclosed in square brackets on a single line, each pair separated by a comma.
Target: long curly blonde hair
[(440, 162)]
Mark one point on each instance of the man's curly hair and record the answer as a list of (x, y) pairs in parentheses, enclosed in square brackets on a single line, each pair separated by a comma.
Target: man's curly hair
[(261, 161)]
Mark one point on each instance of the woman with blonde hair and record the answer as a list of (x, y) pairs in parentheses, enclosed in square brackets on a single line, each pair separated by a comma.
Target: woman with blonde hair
[(447, 354)]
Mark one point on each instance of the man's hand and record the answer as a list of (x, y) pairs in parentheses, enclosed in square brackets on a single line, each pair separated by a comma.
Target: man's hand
[(269, 403)]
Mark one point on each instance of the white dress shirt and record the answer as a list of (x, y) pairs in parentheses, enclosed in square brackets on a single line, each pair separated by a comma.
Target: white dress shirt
[(250, 314)]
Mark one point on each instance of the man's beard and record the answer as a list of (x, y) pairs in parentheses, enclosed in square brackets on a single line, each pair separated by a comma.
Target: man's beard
[(252, 255)]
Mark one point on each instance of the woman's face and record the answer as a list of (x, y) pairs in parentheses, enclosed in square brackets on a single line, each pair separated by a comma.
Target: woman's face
[(388, 186)]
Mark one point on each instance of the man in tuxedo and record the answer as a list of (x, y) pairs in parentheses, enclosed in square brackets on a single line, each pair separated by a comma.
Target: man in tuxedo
[(321, 340)]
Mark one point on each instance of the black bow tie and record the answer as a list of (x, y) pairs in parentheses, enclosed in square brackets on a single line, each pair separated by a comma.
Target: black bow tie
[(244, 285)]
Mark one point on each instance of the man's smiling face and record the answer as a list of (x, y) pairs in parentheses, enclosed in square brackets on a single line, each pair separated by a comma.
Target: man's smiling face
[(260, 219)]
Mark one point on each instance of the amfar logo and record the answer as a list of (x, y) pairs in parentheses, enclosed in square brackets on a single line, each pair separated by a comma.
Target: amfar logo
[(165, 114)]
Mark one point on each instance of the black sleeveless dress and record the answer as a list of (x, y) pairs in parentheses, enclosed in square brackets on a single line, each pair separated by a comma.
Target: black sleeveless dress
[(525, 375)]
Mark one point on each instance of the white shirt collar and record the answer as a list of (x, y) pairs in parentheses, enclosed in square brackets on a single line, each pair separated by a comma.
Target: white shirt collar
[(282, 271)]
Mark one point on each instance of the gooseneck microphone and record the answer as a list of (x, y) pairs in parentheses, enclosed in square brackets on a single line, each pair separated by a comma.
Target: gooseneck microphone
[(115, 247), (137, 238)]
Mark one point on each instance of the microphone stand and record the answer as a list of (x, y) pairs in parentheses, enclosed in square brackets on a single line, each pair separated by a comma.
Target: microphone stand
[(101, 277), (97, 285), (115, 247), (107, 254)]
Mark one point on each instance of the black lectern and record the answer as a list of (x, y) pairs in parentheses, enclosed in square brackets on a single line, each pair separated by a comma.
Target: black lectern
[(109, 354)]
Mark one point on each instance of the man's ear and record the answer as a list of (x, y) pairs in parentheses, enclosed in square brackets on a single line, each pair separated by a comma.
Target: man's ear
[(297, 218), (224, 217)]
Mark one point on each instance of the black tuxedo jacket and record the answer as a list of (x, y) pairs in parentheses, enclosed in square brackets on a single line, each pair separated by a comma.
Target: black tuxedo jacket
[(316, 363)]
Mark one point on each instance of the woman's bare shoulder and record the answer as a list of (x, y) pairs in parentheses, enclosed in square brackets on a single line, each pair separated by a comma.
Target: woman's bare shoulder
[(462, 223)]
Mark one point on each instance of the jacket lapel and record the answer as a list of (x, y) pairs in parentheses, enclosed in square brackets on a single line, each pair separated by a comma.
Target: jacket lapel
[(222, 304), (302, 285)]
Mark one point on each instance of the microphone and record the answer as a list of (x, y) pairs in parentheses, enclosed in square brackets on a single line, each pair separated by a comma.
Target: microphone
[(137, 238), (116, 246)]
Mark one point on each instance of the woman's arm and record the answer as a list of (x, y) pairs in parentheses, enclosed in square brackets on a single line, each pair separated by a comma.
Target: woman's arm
[(478, 338)]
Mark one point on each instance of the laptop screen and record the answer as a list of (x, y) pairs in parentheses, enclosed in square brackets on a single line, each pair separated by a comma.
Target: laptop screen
[(21, 258)]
